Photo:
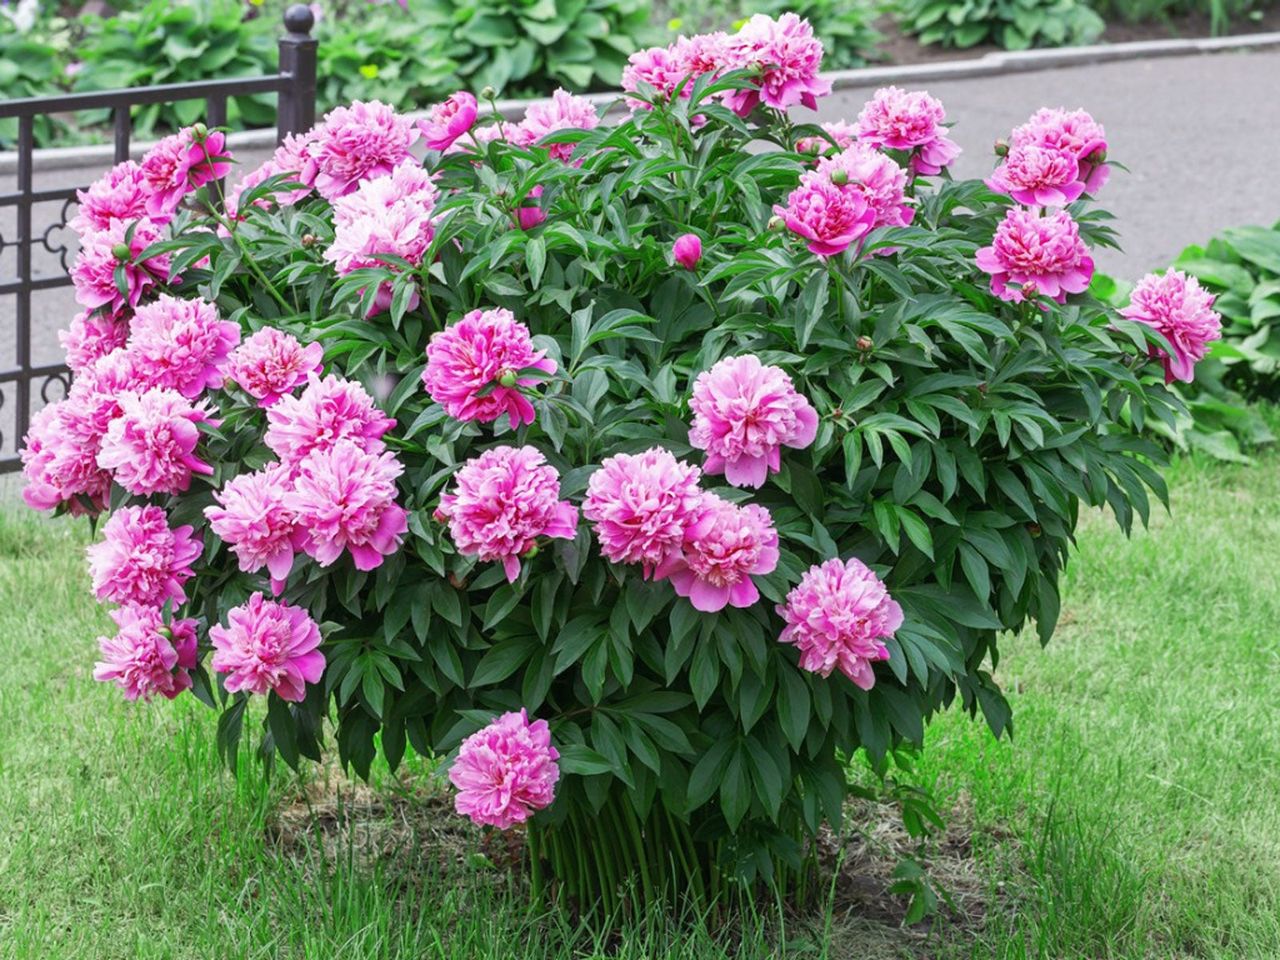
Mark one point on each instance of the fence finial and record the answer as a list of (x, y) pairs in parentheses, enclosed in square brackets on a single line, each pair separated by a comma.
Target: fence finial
[(299, 18)]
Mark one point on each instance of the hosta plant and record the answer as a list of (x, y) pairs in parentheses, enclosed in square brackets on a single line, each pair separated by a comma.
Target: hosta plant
[(643, 467)]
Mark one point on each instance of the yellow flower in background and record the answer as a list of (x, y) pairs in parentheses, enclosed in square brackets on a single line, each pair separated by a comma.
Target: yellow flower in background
[(369, 71)]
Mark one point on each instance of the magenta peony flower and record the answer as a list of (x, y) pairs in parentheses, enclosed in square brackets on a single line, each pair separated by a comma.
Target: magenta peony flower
[(1178, 308), (91, 336), (180, 164), (268, 647), (473, 368), (506, 771), (829, 216), (687, 251), (141, 561), (843, 134), (357, 143), (447, 121), (1033, 254), (329, 410), (563, 111), (724, 545), (787, 58), (529, 214), (882, 183), (838, 617), (640, 505), (94, 272), (897, 120), (743, 414), (662, 68), (344, 498), (251, 518), (1038, 177), (59, 466), (1073, 132), (703, 53), (147, 656), (294, 158), (119, 194), (150, 447), (185, 342), (271, 363), (502, 502)]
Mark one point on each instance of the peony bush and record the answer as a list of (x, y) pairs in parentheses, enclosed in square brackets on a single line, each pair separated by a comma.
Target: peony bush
[(645, 465)]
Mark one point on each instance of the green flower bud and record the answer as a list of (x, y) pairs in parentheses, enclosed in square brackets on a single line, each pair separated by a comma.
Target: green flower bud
[(839, 177), (488, 93), (121, 252), (508, 378)]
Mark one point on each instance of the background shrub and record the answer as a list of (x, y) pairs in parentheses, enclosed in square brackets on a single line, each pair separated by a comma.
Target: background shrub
[(845, 28), (1012, 24)]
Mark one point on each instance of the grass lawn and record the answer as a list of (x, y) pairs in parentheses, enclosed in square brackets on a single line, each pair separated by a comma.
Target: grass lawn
[(1135, 815)]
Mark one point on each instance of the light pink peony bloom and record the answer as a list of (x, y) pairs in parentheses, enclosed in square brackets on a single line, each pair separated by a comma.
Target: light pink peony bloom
[(744, 413), (502, 502), (59, 466), (662, 68), (640, 505), (723, 547), (1038, 177), (344, 498), (687, 251), (787, 57), (185, 342), (142, 561), (357, 143), (94, 272), (329, 410), (119, 194), (563, 111), (91, 336), (1074, 132), (150, 447), (880, 181), (473, 368), (447, 121), (268, 647), (842, 133), (292, 158), (180, 164), (506, 771), (270, 363), (147, 656), (897, 120), (1178, 308), (839, 616), (1033, 254), (251, 518), (828, 216)]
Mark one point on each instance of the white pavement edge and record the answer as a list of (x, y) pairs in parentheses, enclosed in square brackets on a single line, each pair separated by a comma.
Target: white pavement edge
[(990, 64)]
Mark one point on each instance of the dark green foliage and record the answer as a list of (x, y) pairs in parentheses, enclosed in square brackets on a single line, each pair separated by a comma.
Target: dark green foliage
[(1012, 24)]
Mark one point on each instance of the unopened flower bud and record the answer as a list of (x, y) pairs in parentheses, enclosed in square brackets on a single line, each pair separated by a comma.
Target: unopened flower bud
[(508, 378), (776, 223), (839, 177), (488, 93), (121, 252), (1100, 156), (864, 343), (199, 131), (166, 633), (308, 239), (1029, 290), (982, 389), (1002, 148), (531, 552), (1034, 529)]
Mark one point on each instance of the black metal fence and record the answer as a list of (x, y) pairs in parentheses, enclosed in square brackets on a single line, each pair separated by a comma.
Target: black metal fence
[(26, 385)]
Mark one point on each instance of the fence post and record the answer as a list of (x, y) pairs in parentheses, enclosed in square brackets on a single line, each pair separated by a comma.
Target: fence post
[(296, 112)]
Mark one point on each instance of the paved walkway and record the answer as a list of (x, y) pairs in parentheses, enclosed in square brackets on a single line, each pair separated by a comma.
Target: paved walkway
[(1200, 136)]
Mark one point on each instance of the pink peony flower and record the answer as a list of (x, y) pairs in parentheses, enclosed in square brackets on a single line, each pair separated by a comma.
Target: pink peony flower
[(897, 120), (185, 342), (251, 518), (723, 547), (344, 498), (292, 158), (530, 214), (1178, 308), (271, 363), (640, 505), (502, 502), (147, 656), (563, 111), (150, 447), (829, 216), (506, 771), (142, 561), (1033, 254), (1038, 177), (687, 251), (357, 143), (180, 164), (447, 121), (329, 410), (268, 647), (744, 413), (119, 194), (843, 134), (91, 336), (702, 54), (662, 68), (59, 466), (787, 58), (94, 272), (473, 368), (838, 617), (882, 183), (1073, 132)]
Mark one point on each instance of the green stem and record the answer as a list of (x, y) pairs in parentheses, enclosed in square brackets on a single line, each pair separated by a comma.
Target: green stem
[(535, 861)]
